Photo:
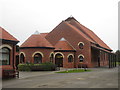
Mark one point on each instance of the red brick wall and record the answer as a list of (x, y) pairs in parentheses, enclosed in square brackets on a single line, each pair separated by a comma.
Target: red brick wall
[(66, 64), (29, 52), (12, 59)]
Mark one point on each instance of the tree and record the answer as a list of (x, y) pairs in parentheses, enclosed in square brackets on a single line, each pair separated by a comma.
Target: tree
[(118, 55)]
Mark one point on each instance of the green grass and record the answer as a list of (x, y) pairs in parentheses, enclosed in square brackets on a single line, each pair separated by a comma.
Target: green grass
[(74, 71)]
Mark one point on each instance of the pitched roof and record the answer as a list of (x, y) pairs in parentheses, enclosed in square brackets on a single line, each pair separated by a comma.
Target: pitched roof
[(90, 34), (43, 34), (36, 40), (5, 35), (63, 45), (80, 32), (64, 29)]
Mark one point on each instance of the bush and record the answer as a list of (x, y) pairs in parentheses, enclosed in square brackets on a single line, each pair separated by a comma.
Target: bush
[(43, 67), (48, 66), (24, 67)]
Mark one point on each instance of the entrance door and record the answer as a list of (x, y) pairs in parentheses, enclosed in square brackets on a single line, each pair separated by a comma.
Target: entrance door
[(59, 60)]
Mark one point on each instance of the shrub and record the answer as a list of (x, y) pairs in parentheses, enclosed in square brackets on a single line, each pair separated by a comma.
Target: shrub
[(48, 66), (43, 67), (24, 67)]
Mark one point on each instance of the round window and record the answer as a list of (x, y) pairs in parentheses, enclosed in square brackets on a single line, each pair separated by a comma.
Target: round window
[(81, 45)]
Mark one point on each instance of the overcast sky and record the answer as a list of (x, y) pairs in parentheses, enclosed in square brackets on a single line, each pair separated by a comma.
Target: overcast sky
[(22, 18)]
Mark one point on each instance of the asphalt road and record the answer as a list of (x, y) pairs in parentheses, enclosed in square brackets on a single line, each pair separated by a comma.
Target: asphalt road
[(97, 78)]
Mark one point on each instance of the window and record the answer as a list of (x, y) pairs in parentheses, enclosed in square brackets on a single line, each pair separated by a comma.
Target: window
[(17, 48), (51, 57), (37, 58), (81, 58), (22, 58), (70, 58), (81, 44), (4, 56)]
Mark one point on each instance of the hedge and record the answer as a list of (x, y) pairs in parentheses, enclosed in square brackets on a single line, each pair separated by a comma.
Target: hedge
[(48, 66)]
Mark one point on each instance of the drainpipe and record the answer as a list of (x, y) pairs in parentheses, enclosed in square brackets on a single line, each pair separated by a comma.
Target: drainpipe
[(13, 57)]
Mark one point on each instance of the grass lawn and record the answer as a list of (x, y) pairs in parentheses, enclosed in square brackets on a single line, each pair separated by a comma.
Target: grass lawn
[(74, 71)]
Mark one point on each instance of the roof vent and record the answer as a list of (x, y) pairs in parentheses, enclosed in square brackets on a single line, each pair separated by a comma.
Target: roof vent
[(62, 39), (36, 32), (71, 16)]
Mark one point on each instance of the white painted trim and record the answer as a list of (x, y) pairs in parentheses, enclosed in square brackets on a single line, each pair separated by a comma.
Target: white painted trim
[(59, 53), (51, 53), (22, 53), (6, 45), (81, 55), (37, 52), (69, 55), (80, 42)]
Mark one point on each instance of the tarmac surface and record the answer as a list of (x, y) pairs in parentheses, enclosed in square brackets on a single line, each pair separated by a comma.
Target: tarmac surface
[(97, 78)]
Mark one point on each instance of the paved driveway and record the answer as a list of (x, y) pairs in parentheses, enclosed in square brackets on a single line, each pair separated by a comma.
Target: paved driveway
[(97, 78)]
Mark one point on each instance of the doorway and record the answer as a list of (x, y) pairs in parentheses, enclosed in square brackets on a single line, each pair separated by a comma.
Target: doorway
[(59, 60)]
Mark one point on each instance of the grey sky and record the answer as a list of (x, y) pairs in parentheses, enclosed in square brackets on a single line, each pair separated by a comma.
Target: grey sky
[(23, 17)]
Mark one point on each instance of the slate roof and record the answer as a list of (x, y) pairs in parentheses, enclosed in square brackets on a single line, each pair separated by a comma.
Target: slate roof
[(6, 36)]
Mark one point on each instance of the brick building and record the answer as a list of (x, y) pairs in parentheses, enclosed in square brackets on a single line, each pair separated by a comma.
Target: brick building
[(68, 45), (7, 52)]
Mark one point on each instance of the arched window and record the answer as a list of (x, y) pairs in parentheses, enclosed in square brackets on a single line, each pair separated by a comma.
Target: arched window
[(4, 56), (22, 58), (81, 45), (70, 58), (51, 57), (37, 58), (81, 58)]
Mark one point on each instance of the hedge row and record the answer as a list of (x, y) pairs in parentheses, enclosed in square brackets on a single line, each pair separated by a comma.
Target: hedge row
[(37, 67)]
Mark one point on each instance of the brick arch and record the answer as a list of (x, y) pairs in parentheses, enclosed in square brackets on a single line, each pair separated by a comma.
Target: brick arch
[(24, 59), (51, 54), (38, 52), (80, 42), (6, 45), (69, 55), (59, 53), (81, 55), (22, 53)]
